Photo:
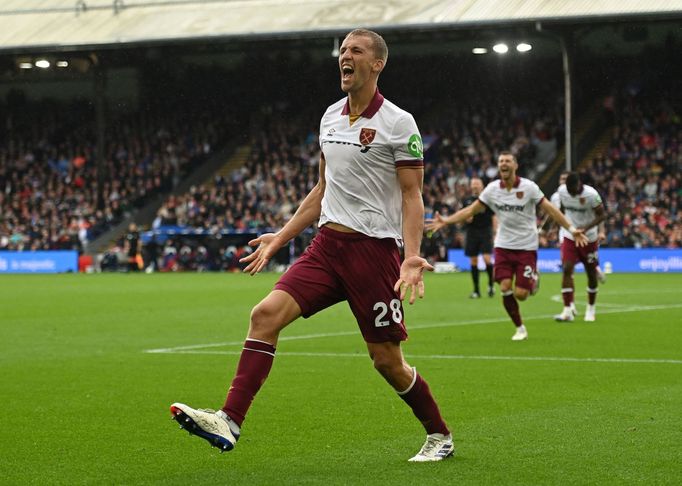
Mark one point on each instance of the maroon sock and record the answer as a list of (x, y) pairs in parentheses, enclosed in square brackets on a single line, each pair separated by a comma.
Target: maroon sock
[(512, 308), (567, 294), (420, 400), (252, 370), (591, 296)]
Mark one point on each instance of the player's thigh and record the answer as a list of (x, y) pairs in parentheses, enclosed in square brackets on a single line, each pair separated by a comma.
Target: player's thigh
[(312, 281), (273, 313), (569, 253), (505, 265), (368, 279), (589, 256), (526, 269), (471, 245)]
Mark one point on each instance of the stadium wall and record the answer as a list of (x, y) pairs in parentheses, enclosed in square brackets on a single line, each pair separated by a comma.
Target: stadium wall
[(612, 260)]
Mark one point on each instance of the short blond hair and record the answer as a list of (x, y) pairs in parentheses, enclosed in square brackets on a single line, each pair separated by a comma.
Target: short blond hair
[(378, 42)]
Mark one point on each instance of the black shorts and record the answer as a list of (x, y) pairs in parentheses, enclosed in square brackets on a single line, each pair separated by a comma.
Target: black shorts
[(478, 243)]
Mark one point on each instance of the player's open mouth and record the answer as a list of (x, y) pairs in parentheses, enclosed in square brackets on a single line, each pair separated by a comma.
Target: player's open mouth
[(346, 72)]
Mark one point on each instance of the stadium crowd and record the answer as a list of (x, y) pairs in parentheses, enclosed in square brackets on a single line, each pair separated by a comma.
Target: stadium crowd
[(48, 173)]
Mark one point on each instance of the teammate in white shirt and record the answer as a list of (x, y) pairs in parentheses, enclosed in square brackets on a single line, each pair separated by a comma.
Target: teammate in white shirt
[(368, 200), (583, 206), (514, 201)]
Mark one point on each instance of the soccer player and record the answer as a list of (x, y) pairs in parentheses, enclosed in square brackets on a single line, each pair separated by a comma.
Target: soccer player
[(583, 207), (368, 198), (514, 200), (479, 240)]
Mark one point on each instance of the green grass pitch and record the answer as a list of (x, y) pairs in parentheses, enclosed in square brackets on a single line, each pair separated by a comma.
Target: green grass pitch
[(83, 401)]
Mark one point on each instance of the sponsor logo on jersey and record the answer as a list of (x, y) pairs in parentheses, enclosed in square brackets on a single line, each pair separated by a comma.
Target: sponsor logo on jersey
[(510, 207), (415, 146), (519, 195), (367, 135), (331, 132)]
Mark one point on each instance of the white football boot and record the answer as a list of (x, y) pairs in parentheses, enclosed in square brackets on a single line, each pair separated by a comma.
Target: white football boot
[(207, 424), (567, 315), (436, 448), (520, 334), (590, 313)]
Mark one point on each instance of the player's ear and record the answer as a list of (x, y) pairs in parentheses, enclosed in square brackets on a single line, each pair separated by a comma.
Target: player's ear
[(378, 65)]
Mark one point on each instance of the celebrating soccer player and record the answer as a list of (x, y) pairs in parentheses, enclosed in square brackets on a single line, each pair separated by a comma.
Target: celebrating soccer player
[(583, 207), (368, 200), (514, 200)]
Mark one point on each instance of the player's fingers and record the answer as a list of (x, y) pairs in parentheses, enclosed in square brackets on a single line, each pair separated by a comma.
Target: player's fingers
[(249, 258), (413, 293), (427, 266), (255, 242), (396, 286), (403, 291), (420, 286)]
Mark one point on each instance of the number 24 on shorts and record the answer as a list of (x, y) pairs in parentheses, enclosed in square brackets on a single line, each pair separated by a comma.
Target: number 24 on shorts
[(396, 313)]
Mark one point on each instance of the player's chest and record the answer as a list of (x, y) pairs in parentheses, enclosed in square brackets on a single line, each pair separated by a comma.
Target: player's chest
[(362, 141), (514, 201)]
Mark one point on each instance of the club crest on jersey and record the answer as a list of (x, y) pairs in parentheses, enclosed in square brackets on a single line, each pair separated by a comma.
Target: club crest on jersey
[(582, 200), (519, 195), (367, 135)]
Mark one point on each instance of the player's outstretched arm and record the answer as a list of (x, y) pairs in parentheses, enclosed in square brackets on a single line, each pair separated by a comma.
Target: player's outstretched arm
[(306, 214), (412, 269), (464, 214), (578, 234)]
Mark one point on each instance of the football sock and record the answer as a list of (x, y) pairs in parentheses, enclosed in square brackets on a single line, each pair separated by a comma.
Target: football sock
[(253, 368), (474, 277), (591, 296), (512, 307), (567, 294), (418, 397), (489, 270)]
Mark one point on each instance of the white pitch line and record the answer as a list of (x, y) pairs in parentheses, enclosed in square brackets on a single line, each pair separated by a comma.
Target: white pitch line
[(456, 356), (188, 348)]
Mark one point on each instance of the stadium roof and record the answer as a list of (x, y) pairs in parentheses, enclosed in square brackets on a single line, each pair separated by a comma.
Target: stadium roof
[(69, 24)]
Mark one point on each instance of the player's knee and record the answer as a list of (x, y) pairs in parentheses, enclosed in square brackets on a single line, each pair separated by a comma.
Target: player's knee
[(264, 318), (386, 364), (520, 294)]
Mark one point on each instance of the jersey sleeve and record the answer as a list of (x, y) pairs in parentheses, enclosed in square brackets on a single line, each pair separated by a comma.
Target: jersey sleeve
[(596, 199), (536, 194), (556, 200), (408, 149), (486, 195)]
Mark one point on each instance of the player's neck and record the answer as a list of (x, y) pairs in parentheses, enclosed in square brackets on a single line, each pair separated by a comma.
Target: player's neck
[(509, 182), (359, 100)]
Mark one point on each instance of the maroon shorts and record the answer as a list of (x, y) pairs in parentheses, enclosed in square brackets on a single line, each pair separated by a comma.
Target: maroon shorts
[(354, 267), (587, 254), (521, 264)]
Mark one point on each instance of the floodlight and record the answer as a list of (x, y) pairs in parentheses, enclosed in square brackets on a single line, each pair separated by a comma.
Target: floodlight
[(42, 63), (501, 48), (479, 50), (523, 47)]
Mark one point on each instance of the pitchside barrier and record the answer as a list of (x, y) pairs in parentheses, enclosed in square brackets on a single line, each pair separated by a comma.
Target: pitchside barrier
[(618, 260), (56, 261)]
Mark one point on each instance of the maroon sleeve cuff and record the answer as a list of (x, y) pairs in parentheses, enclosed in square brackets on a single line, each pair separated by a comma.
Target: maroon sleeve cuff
[(409, 163)]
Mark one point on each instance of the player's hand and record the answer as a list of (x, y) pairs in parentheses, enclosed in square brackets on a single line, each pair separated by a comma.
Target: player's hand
[(267, 244), (435, 223), (579, 237), (412, 278)]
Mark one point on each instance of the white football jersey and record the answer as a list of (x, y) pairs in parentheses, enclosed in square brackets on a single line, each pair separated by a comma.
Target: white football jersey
[(555, 200), (580, 210), (516, 213), (362, 189)]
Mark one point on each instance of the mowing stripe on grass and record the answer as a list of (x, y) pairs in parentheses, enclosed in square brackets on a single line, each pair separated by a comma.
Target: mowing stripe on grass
[(454, 356), (636, 308)]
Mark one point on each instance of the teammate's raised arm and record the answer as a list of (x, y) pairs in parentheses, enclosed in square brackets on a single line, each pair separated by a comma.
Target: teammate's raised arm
[(461, 216)]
